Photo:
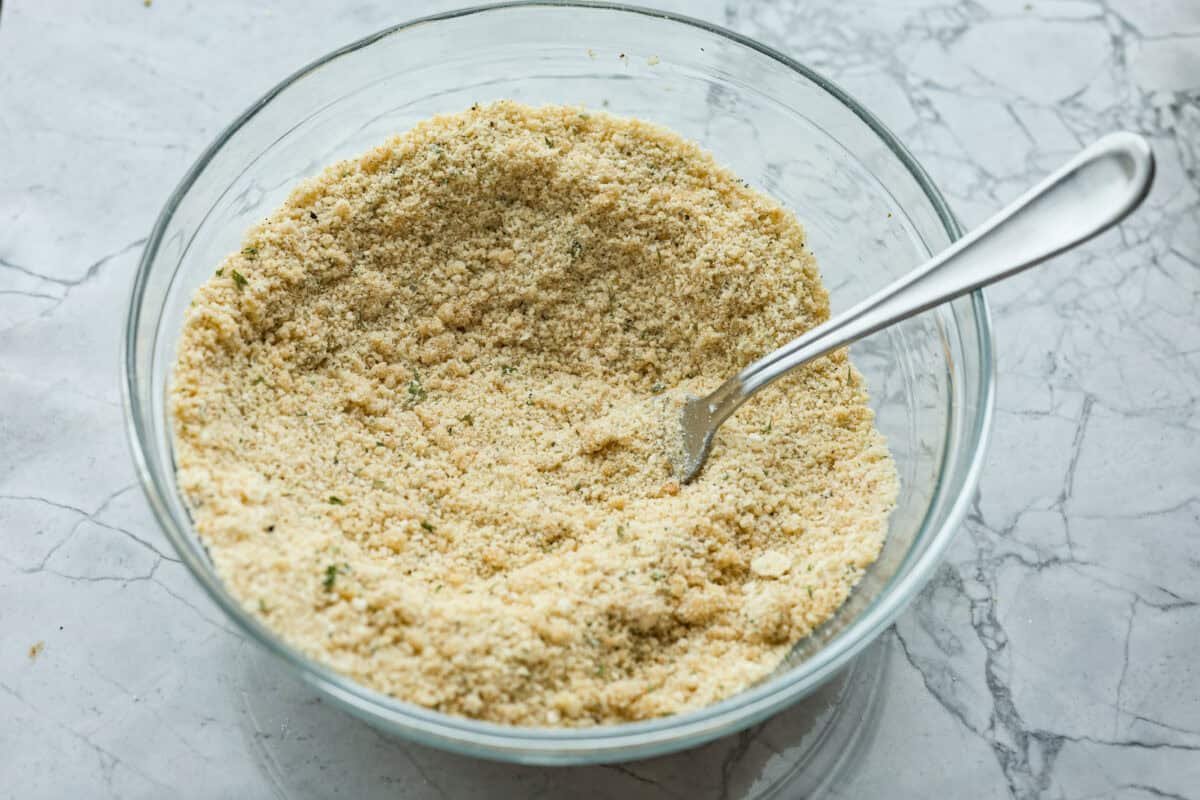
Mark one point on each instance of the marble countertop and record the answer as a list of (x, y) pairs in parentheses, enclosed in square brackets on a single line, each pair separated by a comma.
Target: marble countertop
[(1056, 652)]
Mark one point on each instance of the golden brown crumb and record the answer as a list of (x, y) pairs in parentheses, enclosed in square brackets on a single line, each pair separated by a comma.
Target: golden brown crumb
[(36, 649), (419, 419)]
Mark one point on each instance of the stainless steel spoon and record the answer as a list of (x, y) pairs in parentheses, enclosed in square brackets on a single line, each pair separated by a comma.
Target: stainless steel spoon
[(1091, 192)]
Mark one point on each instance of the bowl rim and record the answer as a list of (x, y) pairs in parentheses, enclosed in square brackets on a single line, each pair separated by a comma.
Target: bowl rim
[(539, 745)]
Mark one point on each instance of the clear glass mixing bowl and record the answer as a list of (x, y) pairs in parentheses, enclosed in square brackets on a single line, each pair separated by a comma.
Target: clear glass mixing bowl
[(870, 211)]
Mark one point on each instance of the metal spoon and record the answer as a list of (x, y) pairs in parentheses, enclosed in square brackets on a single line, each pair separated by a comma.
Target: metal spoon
[(1090, 193)]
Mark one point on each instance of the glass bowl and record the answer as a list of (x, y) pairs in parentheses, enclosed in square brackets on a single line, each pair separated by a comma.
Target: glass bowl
[(870, 211)]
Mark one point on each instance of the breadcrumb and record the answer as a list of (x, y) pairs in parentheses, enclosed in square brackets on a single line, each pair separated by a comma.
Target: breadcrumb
[(418, 420)]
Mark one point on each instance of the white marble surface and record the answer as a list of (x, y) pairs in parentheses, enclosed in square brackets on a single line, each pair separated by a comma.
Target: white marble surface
[(1055, 654)]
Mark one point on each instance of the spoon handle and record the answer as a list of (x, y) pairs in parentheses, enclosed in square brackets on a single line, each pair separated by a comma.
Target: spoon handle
[(1090, 193)]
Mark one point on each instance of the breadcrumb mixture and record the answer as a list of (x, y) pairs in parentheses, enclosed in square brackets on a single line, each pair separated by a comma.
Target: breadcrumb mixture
[(419, 421)]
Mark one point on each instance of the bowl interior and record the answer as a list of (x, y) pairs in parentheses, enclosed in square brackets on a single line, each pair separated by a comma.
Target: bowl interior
[(869, 213)]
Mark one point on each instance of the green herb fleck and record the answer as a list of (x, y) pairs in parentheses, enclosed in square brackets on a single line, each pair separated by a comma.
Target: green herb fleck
[(657, 576), (507, 369), (600, 670), (810, 590), (770, 424), (334, 500), (239, 279), (416, 391), (549, 141), (257, 381), (578, 485), (331, 573), (468, 419), (576, 249), (425, 524), (249, 252), (658, 387), (620, 531), (849, 374), (378, 484), (262, 606), (220, 272)]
